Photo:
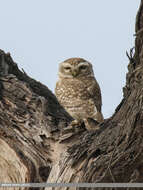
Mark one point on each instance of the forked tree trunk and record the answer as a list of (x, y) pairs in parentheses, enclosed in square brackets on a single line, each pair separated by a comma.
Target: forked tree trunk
[(37, 145)]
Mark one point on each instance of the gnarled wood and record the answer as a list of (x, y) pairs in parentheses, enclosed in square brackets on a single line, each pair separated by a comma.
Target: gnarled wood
[(35, 130)]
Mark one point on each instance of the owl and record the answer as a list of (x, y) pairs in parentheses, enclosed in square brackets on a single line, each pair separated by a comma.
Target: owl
[(78, 92)]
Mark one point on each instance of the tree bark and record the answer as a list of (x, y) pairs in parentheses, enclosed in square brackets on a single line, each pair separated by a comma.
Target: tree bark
[(37, 143)]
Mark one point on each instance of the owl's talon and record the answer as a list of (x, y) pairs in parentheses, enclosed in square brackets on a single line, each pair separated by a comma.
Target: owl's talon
[(76, 123), (91, 124)]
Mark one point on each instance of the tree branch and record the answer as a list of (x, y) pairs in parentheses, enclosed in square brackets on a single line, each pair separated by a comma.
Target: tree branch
[(38, 144)]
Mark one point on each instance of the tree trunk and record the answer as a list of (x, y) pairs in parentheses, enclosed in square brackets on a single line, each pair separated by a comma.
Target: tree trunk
[(38, 145)]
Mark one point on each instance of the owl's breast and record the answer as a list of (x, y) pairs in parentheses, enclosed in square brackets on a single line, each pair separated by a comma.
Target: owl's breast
[(74, 97), (67, 90)]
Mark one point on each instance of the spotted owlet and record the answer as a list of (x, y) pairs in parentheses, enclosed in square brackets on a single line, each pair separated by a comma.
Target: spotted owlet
[(78, 91)]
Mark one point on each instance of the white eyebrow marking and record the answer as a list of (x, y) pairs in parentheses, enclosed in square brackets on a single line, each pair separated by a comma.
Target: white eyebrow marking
[(84, 63), (66, 64)]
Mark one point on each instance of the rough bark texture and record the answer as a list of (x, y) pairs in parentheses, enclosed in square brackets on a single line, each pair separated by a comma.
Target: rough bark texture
[(38, 145)]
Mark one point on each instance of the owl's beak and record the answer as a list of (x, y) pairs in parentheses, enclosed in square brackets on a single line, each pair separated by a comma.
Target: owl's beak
[(74, 73)]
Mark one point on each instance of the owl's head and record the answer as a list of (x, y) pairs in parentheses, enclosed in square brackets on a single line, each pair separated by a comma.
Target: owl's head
[(75, 68)]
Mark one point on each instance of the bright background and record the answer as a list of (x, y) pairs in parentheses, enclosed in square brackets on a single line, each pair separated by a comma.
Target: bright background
[(40, 34)]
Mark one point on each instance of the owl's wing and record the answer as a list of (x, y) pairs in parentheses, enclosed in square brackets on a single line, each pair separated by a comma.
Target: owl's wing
[(95, 94)]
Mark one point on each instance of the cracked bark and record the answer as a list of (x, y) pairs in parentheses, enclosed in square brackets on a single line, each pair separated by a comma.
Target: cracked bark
[(37, 144)]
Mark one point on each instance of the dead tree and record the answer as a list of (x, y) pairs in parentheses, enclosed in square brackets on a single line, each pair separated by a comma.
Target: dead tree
[(38, 145)]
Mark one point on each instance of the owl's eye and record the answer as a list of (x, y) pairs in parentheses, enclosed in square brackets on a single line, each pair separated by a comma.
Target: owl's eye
[(83, 67), (67, 68)]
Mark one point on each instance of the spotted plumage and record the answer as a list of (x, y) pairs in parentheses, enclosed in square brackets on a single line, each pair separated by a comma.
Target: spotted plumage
[(78, 91)]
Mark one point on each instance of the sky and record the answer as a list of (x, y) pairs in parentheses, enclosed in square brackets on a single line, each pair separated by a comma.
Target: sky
[(40, 34)]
